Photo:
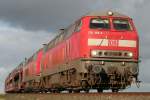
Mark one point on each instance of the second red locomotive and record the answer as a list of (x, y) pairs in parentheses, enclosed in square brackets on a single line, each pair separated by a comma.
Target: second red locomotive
[(98, 51)]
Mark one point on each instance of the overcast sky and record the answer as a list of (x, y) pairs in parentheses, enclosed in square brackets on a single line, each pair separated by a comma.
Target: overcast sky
[(26, 24)]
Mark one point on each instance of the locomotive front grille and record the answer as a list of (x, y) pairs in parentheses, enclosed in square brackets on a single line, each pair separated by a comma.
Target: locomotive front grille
[(112, 54)]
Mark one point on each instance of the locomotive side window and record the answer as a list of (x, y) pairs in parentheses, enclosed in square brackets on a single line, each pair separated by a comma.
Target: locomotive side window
[(45, 48), (70, 30), (98, 23), (78, 26), (35, 56), (121, 24)]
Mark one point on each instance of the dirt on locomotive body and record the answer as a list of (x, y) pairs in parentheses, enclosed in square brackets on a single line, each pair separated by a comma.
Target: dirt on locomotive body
[(98, 51)]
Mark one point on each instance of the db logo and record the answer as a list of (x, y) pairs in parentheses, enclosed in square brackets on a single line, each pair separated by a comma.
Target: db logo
[(113, 43)]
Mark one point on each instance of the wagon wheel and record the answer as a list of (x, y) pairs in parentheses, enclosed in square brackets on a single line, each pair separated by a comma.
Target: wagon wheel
[(115, 90), (86, 90), (84, 85), (99, 90), (76, 91), (70, 91)]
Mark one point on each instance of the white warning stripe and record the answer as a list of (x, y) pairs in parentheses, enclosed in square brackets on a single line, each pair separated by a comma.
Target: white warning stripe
[(105, 42), (97, 42), (127, 43)]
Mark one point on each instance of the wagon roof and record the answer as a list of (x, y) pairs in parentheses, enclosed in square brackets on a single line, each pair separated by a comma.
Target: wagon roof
[(104, 13)]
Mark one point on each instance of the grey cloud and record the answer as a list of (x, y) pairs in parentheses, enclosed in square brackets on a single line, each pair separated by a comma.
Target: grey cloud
[(54, 14), (42, 14), (15, 45)]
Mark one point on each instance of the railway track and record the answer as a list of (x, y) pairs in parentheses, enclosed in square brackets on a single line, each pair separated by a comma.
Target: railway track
[(81, 96)]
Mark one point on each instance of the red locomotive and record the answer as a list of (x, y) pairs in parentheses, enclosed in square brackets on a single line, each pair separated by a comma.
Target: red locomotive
[(98, 51)]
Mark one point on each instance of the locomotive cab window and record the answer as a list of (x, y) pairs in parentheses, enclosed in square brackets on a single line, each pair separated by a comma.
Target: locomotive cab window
[(122, 24), (98, 23)]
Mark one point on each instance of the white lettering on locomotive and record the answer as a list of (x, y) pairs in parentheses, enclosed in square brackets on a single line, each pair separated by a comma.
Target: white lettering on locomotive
[(97, 32), (113, 43)]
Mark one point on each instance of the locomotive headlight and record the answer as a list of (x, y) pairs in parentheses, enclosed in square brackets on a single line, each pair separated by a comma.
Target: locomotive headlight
[(93, 53), (130, 54), (110, 13)]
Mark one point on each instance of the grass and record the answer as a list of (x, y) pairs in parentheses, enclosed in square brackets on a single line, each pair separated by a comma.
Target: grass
[(2, 97)]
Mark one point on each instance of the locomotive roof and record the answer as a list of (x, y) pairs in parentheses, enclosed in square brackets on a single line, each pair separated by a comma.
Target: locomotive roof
[(104, 13)]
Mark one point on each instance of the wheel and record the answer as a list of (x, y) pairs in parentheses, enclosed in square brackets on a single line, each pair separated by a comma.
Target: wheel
[(86, 90), (70, 91), (84, 84), (76, 91), (99, 90), (115, 90)]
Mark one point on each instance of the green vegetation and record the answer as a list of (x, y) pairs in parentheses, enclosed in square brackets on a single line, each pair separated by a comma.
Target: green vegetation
[(2, 97)]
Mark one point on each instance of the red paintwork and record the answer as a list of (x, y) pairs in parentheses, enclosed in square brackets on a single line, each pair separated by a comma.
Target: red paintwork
[(76, 46), (111, 34), (33, 67), (64, 52), (38, 62)]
